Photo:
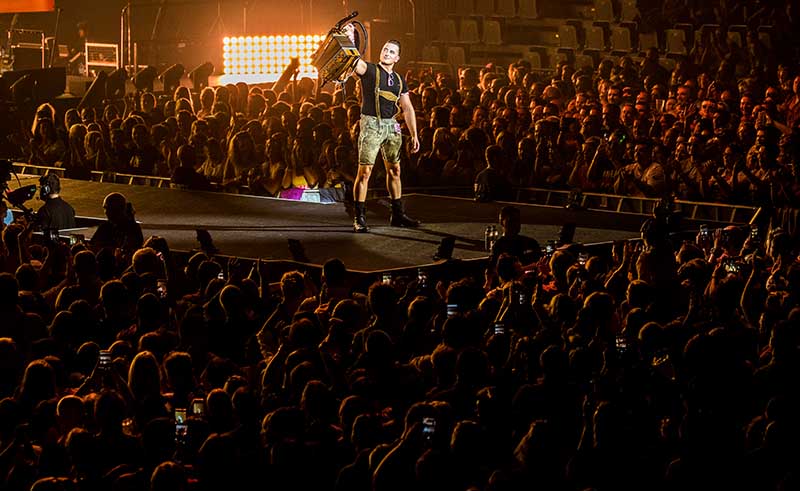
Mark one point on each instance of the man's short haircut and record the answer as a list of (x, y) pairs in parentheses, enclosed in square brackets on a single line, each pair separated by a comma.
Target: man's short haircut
[(396, 43), (335, 272), (509, 212)]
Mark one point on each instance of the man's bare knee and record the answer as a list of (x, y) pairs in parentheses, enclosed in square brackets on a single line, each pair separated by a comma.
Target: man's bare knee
[(393, 171)]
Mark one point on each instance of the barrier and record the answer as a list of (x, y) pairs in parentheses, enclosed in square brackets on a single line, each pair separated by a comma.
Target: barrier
[(691, 210)]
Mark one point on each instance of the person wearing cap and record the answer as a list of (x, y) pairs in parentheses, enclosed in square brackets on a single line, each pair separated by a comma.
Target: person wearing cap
[(55, 213)]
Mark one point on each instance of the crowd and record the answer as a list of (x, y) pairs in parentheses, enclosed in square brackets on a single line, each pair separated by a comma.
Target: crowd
[(658, 365), (721, 126)]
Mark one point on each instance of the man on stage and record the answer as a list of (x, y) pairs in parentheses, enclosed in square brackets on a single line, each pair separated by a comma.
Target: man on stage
[(382, 92)]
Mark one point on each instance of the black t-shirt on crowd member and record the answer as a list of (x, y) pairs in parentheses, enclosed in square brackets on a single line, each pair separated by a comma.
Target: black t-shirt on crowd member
[(56, 214), (390, 82), (492, 185), (524, 248)]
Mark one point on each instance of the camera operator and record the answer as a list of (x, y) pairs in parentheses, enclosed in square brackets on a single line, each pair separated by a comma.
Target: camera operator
[(55, 214)]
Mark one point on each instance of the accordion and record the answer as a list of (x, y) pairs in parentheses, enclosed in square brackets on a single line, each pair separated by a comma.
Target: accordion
[(336, 58)]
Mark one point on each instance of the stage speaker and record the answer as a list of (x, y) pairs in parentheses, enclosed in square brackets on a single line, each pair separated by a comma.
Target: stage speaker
[(171, 77), (144, 79), (95, 93), (115, 84), (48, 83), (199, 76)]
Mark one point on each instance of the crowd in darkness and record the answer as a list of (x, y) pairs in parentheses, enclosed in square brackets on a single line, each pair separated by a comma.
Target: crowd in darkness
[(658, 364), (721, 126)]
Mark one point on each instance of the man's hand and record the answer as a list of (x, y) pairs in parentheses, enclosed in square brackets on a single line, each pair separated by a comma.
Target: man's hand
[(414, 144)]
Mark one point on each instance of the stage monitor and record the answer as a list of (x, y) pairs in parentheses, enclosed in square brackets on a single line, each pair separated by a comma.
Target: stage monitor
[(21, 6)]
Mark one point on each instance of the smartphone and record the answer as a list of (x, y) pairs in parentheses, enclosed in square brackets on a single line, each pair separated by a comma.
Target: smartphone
[(162, 289), (180, 415), (521, 298), (452, 310), (386, 279), (582, 258), (422, 278), (550, 248), (731, 266), (221, 275), (181, 430), (76, 239), (105, 359), (198, 407), (428, 428), (499, 328), (754, 236), (127, 426), (621, 344), (704, 233)]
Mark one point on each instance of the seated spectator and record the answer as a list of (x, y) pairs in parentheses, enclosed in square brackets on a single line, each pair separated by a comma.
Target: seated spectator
[(185, 176), (490, 183)]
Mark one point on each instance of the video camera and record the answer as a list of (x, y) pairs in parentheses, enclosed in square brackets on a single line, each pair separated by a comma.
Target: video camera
[(19, 196)]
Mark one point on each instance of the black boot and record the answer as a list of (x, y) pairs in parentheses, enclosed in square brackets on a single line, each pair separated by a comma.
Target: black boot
[(360, 219), (399, 217)]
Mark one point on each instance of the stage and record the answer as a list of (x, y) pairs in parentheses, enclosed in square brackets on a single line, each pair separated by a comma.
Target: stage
[(253, 227)]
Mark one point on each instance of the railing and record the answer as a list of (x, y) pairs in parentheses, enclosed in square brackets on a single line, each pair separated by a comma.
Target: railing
[(691, 210), (97, 176)]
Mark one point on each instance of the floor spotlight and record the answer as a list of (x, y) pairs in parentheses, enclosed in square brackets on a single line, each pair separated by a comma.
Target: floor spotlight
[(144, 79), (171, 77), (199, 76)]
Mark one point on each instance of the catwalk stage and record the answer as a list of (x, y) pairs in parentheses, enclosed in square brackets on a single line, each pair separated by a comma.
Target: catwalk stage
[(253, 227)]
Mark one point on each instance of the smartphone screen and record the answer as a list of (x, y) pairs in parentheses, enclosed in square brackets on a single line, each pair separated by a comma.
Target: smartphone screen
[(181, 430), (180, 415), (422, 278), (621, 344), (428, 428), (499, 328), (452, 309), (162, 289), (198, 407), (105, 359), (582, 258), (386, 279)]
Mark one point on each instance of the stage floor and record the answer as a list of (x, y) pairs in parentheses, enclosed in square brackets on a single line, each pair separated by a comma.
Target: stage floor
[(252, 227)]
